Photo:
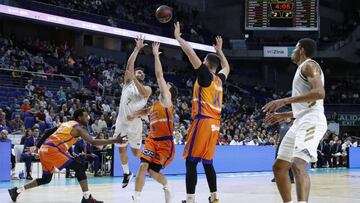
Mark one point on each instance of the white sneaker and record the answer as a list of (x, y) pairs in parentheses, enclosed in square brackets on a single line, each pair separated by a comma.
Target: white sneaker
[(133, 200), (168, 194)]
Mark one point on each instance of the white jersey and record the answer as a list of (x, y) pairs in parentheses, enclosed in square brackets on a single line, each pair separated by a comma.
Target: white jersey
[(300, 87), (130, 102)]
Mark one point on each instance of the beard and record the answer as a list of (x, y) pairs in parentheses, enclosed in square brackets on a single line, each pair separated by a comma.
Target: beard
[(140, 79)]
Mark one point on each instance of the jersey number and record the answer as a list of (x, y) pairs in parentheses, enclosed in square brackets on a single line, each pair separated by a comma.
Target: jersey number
[(128, 101)]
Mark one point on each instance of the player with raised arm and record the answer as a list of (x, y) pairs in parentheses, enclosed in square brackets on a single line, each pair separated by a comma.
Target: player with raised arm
[(159, 147), (53, 150), (206, 111), (299, 146), (134, 97)]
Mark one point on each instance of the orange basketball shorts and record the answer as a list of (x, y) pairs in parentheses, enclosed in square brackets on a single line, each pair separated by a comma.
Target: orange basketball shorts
[(160, 151), (201, 140), (52, 157)]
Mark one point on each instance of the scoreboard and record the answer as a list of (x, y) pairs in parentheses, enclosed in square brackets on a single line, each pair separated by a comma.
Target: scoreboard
[(286, 15)]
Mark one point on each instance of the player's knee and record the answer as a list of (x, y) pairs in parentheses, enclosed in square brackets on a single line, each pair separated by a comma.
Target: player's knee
[(135, 152), (144, 166), (80, 171), (190, 165), (277, 168), (46, 179), (80, 175), (298, 167), (122, 151)]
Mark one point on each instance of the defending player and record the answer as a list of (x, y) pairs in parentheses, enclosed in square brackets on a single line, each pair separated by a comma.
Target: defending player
[(206, 111), (159, 148), (299, 146), (133, 98), (53, 154)]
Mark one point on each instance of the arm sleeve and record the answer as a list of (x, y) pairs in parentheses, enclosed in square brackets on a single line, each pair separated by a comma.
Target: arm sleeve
[(222, 77), (204, 76), (46, 135)]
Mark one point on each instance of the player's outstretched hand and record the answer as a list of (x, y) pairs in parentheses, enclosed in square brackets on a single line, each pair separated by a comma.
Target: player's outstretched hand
[(273, 118), (177, 32), (121, 139), (140, 42), (155, 48), (274, 105), (218, 45)]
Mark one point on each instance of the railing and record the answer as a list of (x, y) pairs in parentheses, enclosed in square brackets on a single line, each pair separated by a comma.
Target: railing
[(19, 78)]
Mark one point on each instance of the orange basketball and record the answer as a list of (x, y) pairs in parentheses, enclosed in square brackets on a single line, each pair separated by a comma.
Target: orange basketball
[(164, 14)]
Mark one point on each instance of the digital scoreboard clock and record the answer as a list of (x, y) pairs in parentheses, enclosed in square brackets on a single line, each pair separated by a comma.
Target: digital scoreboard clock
[(291, 15)]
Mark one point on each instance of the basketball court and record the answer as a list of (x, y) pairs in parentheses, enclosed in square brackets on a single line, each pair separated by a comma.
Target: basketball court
[(328, 186)]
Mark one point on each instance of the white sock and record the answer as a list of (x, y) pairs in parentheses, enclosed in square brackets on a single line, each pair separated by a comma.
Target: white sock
[(302, 202), (167, 185), (125, 168), (20, 189), (190, 198), (289, 202), (86, 194), (213, 196), (137, 196)]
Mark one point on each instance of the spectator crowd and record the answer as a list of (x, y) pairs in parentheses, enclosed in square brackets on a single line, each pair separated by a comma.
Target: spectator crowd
[(139, 15)]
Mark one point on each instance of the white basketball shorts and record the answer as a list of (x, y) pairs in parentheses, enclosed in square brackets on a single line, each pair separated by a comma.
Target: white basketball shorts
[(131, 129), (303, 137)]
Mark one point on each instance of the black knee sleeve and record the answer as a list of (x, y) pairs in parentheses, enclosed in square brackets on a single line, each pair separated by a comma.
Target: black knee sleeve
[(191, 177), (45, 179), (154, 167), (79, 170), (210, 176)]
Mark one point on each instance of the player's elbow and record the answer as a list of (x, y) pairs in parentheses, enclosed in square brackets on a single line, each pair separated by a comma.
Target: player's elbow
[(195, 63), (321, 93)]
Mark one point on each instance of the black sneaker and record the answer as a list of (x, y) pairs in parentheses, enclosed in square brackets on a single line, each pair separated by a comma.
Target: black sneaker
[(28, 177), (215, 201), (98, 174), (292, 181), (127, 179), (69, 176), (90, 200), (13, 194), (273, 180)]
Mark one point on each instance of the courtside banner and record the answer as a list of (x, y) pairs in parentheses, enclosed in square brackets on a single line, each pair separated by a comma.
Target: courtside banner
[(278, 52), (69, 22)]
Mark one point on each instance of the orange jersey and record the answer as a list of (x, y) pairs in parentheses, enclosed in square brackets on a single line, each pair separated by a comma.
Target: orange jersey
[(161, 121), (62, 137), (207, 101)]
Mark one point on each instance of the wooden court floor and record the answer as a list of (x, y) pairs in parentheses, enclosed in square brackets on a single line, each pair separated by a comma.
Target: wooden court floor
[(328, 186)]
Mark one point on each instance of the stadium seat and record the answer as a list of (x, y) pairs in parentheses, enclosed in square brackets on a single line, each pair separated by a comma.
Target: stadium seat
[(43, 127), (18, 149)]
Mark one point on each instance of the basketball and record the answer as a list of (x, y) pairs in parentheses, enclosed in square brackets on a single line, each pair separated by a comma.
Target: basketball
[(164, 14)]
